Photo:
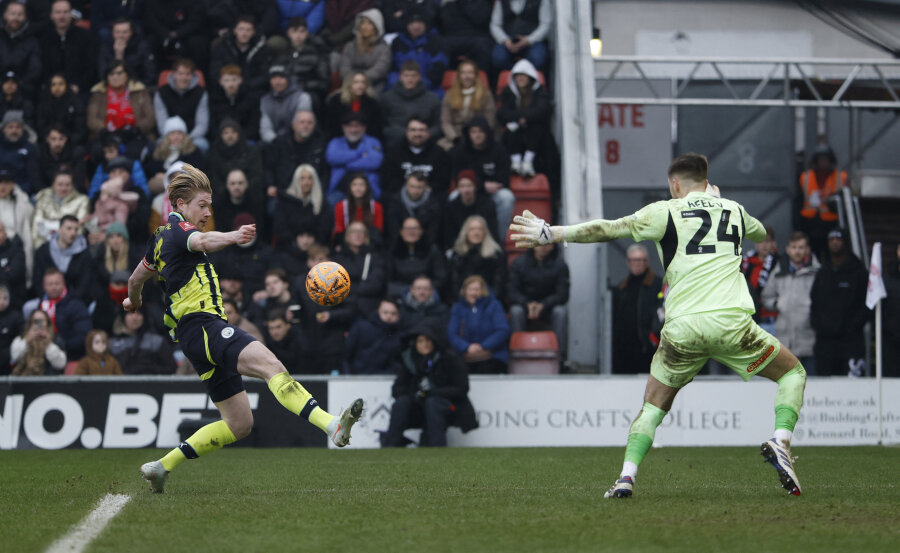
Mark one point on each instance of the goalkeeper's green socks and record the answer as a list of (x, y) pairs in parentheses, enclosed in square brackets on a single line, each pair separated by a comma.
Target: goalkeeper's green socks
[(788, 401), (210, 438), (296, 399), (640, 437)]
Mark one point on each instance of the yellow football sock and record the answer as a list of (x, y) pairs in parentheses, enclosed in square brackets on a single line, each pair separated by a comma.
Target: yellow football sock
[(211, 437), (297, 400)]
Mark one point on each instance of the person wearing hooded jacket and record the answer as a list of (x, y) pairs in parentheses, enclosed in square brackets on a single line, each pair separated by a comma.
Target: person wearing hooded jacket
[(430, 390), (97, 359), (420, 42), (278, 106), (68, 252), (374, 342), (367, 52), (478, 329), (524, 109)]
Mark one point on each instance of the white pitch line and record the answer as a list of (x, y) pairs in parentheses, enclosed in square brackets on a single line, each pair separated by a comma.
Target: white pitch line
[(81, 535)]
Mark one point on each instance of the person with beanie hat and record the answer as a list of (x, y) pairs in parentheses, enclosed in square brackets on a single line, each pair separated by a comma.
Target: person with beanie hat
[(278, 106), (17, 154), (175, 145)]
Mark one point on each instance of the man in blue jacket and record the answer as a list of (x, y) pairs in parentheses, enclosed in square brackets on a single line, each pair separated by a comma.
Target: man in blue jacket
[(355, 151)]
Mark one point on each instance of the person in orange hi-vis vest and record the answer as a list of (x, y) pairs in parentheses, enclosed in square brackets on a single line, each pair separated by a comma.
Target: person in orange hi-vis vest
[(818, 184)]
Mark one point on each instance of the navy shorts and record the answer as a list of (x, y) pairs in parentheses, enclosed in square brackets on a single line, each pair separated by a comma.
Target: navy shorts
[(213, 346)]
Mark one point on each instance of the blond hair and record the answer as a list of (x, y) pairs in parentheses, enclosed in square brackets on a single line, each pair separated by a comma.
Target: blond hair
[(315, 194), (479, 97), (474, 278), (187, 183), (489, 246), (346, 94)]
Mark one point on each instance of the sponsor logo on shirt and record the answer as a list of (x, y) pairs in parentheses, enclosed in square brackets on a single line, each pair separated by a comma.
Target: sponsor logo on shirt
[(186, 226)]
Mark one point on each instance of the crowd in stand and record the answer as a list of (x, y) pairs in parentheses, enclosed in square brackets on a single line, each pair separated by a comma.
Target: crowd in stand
[(381, 135)]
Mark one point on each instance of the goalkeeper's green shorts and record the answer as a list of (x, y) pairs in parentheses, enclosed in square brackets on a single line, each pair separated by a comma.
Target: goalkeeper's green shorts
[(728, 336)]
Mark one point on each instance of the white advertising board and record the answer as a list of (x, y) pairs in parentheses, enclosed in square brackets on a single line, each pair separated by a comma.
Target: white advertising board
[(597, 411)]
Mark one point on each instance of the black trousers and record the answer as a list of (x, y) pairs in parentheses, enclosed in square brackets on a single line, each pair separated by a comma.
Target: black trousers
[(431, 414)]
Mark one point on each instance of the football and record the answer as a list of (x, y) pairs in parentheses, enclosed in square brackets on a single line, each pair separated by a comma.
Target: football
[(328, 283)]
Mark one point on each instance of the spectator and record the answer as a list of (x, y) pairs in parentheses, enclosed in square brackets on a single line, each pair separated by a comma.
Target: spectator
[(891, 319), (359, 206), (231, 282), (236, 319), (757, 267), (539, 292), (398, 12), (253, 259), (468, 99), (232, 99), (11, 322), (416, 199), (112, 150), (15, 215), (238, 199), (19, 50), (307, 60), (419, 42), (114, 261), (138, 209), (122, 106), (37, 352), (311, 11), (413, 256), (302, 207), (838, 311), (57, 153), (467, 203), (12, 275), (175, 145), (222, 16), (787, 294), (280, 104), (61, 107), (288, 343), (52, 203), (138, 348), (68, 253), (106, 13), (304, 145), (127, 45), (68, 313), (294, 256), (243, 47), (97, 360), (68, 49), (17, 154), (490, 162), (407, 98), (520, 29), (231, 151), (478, 330), (374, 341), (13, 99), (183, 96), (356, 151), (422, 301), (416, 153), (177, 29), (430, 390), (276, 297), (354, 95), (366, 266), (341, 20), (635, 304), (819, 186), (475, 252), (525, 112), (465, 28), (368, 52)]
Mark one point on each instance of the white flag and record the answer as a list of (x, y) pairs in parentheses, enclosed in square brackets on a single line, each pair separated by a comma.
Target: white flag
[(876, 289)]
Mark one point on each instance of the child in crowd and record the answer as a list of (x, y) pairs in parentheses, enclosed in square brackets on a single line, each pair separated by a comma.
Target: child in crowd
[(98, 359)]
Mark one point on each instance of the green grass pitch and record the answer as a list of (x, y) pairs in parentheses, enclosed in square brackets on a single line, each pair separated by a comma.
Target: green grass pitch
[(468, 500)]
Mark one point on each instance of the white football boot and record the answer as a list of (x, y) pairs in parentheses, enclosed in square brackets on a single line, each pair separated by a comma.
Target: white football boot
[(339, 427), (156, 474), (623, 488), (779, 457)]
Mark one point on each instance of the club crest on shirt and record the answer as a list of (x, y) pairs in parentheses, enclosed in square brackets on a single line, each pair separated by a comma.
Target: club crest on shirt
[(186, 226), (227, 332)]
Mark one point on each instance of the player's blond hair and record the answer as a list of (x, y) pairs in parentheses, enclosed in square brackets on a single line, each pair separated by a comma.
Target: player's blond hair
[(187, 183)]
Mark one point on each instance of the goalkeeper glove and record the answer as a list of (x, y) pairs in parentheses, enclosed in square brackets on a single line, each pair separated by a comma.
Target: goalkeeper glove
[(530, 231)]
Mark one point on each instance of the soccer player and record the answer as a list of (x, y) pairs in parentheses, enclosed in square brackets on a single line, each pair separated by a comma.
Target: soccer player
[(708, 309), (220, 352)]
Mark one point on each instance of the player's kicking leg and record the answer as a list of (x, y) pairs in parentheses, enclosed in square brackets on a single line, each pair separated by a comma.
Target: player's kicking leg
[(787, 371), (658, 399)]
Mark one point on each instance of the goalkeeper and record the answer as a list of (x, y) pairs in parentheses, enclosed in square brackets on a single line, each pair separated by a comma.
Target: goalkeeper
[(708, 309)]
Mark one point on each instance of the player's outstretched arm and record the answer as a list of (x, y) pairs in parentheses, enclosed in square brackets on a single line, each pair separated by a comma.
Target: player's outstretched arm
[(214, 241), (135, 286), (529, 231)]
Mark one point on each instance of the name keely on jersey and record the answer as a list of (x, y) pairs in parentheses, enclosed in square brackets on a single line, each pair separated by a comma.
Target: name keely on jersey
[(704, 203)]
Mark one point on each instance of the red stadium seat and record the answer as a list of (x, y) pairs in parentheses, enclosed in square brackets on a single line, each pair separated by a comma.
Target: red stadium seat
[(541, 207), (533, 353), (503, 80), (70, 367), (533, 188), (450, 76), (164, 78)]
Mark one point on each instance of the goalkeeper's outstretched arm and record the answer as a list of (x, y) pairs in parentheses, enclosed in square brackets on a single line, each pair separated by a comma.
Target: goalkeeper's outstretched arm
[(529, 231)]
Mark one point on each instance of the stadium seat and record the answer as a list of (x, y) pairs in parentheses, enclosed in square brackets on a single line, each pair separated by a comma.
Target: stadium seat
[(534, 201), (70, 367), (164, 78), (503, 80), (533, 353), (541, 208), (450, 76), (534, 188)]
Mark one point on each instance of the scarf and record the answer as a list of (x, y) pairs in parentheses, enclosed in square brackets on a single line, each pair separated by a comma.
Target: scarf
[(468, 93), (411, 205), (48, 306), (119, 112), (61, 258)]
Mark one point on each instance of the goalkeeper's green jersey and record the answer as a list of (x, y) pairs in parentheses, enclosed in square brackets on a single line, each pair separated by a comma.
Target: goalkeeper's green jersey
[(699, 242)]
